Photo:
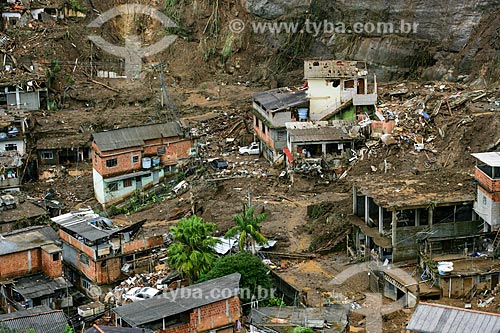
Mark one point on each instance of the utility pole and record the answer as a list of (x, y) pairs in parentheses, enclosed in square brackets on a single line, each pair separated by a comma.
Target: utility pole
[(249, 196)]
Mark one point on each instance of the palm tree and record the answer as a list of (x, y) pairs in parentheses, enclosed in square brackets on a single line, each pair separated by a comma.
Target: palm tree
[(192, 252), (247, 225)]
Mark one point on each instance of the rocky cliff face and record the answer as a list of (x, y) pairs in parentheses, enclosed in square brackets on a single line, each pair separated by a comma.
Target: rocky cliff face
[(450, 35)]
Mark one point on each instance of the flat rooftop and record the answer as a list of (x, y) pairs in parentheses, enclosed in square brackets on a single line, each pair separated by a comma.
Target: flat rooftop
[(279, 99), (490, 158), (26, 239), (416, 192), (467, 265)]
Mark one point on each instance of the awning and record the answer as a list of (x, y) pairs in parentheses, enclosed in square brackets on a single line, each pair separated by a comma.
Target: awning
[(127, 176)]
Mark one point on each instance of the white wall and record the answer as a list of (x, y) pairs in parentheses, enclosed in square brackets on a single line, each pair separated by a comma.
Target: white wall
[(98, 186), (323, 95), (19, 143), (487, 209)]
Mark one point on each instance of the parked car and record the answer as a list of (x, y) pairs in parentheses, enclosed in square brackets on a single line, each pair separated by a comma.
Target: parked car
[(251, 149), (140, 294), (219, 163)]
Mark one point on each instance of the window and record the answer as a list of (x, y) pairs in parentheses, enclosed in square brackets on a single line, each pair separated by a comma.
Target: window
[(85, 284), (10, 146), (485, 202), (47, 155), (161, 150), (84, 260), (55, 257), (263, 127), (135, 159), (111, 163), (127, 182), (112, 187), (256, 122)]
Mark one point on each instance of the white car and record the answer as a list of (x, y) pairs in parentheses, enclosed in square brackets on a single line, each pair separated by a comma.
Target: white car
[(252, 149), (140, 294)]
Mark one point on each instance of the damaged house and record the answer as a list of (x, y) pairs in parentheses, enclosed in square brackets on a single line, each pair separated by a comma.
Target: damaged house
[(96, 250), (130, 159), (31, 270), (389, 218), (335, 90), (13, 130)]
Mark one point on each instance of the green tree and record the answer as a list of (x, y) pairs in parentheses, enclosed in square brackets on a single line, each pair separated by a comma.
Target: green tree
[(247, 225), (192, 252), (254, 273)]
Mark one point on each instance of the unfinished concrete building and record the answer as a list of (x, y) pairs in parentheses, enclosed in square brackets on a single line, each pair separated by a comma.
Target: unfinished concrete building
[(391, 215)]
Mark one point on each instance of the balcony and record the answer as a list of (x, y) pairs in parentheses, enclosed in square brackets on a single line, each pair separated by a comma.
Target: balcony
[(9, 182)]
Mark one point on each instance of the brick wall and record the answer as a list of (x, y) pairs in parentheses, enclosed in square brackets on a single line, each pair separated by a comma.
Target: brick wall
[(175, 148), (18, 264), (140, 244), (75, 243), (50, 267), (266, 137), (490, 184), (108, 273), (493, 196), (212, 316)]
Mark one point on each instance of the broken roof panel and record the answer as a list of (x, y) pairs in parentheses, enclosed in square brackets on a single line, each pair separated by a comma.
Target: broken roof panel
[(275, 100), (86, 224), (26, 239), (135, 136), (438, 318), (172, 303), (490, 158), (39, 285), (40, 320), (320, 69)]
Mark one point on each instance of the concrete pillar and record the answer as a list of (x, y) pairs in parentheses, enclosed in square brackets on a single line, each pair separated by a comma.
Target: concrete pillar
[(430, 215), (367, 209), (323, 149), (18, 98), (417, 217), (394, 225), (474, 215), (380, 220), (354, 200)]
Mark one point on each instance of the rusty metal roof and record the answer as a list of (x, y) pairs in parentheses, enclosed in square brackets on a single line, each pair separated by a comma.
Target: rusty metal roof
[(135, 136)]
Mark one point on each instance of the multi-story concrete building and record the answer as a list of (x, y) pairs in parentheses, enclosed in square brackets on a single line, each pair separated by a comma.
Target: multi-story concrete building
[(487, 176), (130, 159), (95, 249)]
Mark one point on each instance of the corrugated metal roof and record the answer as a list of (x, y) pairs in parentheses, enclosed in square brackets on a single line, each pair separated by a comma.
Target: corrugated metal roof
[(180, 300), (84, 223), (113, 329), (40, 320), (491, 158), (280, 99), (437, 318), (39, 285), (135, 136)]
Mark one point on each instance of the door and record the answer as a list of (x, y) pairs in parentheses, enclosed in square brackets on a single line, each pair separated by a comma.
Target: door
[(138, 183), (494, 281), (156, 177)]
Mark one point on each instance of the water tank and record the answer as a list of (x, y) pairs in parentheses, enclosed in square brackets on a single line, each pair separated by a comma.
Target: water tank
[(303, 113), (146, 163), (156, 161)]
